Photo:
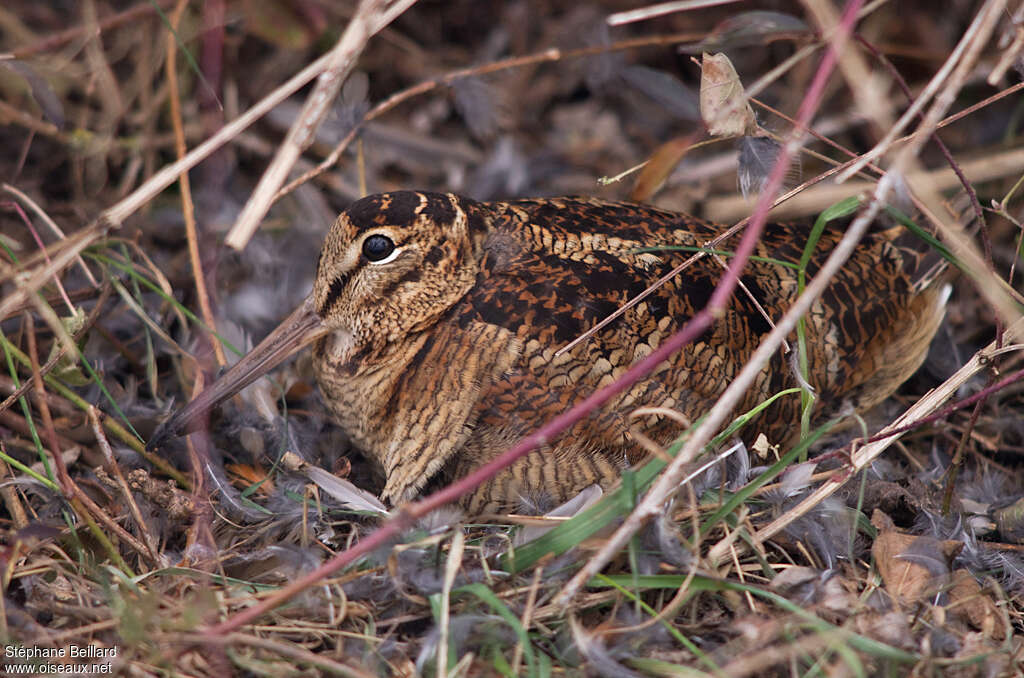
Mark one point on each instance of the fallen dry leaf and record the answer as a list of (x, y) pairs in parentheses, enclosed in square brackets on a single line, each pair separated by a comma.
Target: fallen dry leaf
[(968, 600), (723, 102), (658, 167), (912, 567)]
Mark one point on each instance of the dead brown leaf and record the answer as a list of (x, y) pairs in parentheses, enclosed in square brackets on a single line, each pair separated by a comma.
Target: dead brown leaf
[(912, 567), (968, 600), (659, 167), (723, 101)]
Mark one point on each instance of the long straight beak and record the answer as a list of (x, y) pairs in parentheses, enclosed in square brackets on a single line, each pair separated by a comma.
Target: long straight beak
[(298, 330)]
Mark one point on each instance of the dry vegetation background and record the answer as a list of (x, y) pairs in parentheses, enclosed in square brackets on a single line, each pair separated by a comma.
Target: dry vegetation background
[(914, 565)]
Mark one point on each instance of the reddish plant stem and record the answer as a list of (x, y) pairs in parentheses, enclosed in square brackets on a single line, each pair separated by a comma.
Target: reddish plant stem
[(63, 478), (946, 411), (212, 58), (953, 470)]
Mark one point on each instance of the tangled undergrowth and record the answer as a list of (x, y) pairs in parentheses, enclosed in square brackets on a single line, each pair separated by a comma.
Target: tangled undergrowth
[(885, 556)]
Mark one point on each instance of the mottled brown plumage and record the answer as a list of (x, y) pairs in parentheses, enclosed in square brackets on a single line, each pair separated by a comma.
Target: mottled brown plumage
[(437, 321)]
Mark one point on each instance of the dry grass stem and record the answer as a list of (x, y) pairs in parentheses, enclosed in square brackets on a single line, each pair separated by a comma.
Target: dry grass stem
[(813, 200), (661, 9), (50, 224)]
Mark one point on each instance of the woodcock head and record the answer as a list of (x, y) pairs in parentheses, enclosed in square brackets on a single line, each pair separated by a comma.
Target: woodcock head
[(392, 264)]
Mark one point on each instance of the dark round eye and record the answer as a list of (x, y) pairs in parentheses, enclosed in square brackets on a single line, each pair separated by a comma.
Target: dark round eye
[(378, 247)]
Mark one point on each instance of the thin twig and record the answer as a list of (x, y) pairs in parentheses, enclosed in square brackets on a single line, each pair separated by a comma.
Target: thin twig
[(990, 352), (950, 160), (984, 168), (51, 224), (83, 505), (290, 650), (15, 509), (545, 56), (187, 207), (869, 95), (43, 251), (661, 9), (108, 455), (451, 569), (527, 617), (63, 478), (1012, 52)]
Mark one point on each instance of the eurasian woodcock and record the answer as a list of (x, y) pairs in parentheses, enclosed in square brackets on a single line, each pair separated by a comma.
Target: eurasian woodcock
[(436, 320)]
